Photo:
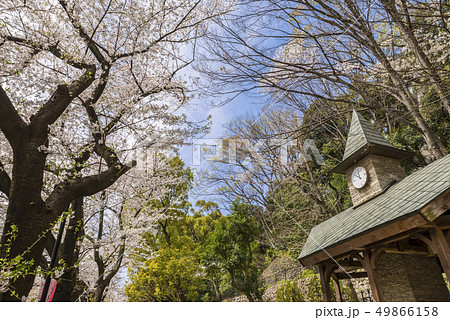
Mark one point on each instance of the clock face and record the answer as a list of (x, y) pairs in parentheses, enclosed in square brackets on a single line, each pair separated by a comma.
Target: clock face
[(359, 177)]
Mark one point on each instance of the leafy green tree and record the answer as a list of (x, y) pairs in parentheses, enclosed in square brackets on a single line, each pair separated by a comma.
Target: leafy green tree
[(232, 248), (169, 263), (174, 274)]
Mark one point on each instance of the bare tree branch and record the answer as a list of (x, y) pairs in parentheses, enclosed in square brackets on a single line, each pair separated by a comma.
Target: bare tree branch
[(53, 49), (11, 123), (69, 190), (61, 99)]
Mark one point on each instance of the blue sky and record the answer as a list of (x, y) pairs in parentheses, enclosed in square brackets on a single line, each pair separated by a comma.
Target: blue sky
[(247, 103), (199, 109)]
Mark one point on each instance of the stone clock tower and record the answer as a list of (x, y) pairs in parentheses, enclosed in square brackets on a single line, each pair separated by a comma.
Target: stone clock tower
[(371, 164)]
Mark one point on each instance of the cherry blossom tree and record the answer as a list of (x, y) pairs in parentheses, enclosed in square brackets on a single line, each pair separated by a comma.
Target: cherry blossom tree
[(104, 235), (83, 84)]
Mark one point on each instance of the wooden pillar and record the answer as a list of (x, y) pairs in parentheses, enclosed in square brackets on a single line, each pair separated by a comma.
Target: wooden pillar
[(372, 256), (325, 282), (374, 284), (337, 287), (368, 260), (442, 248)]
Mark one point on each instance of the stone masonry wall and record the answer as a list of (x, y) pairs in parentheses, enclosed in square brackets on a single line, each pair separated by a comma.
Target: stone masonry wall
[(281, 269), (411, 278)]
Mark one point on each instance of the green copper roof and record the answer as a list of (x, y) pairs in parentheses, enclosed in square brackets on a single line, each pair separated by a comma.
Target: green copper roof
[(364, 139), (362, 133), (403, 198)]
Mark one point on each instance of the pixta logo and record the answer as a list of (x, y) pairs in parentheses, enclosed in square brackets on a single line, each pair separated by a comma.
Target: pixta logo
[(244, 151)]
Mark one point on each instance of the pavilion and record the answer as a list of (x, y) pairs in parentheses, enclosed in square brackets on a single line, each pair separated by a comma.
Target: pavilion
[(397, 233)]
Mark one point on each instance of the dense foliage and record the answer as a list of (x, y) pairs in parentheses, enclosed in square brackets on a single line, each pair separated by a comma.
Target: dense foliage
[(199, 256)]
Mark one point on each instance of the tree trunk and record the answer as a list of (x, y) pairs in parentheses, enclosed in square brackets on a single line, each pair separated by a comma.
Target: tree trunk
[(316, 191), (241, 290), (249, 297), (180, 294), (216, 290), (65, 291), (435, 146), (100, 291), (25, 212)]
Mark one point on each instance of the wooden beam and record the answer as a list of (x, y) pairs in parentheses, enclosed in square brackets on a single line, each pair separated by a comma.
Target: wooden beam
[(437, 207), (422, 252), (442, 248), (349, 263), (407, 249), (387, 231), (348, 269), (388, 241), (402, 237), (352, 275)]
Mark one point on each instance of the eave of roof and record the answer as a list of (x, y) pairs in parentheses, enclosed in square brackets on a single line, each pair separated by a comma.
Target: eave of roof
[(385, 151)]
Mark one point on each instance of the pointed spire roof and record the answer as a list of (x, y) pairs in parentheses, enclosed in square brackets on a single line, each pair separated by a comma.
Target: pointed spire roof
[(364, 139), (362, 133)]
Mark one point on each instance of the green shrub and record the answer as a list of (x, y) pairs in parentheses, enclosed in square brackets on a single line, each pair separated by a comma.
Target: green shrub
[(289, 292), (314, 288)]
